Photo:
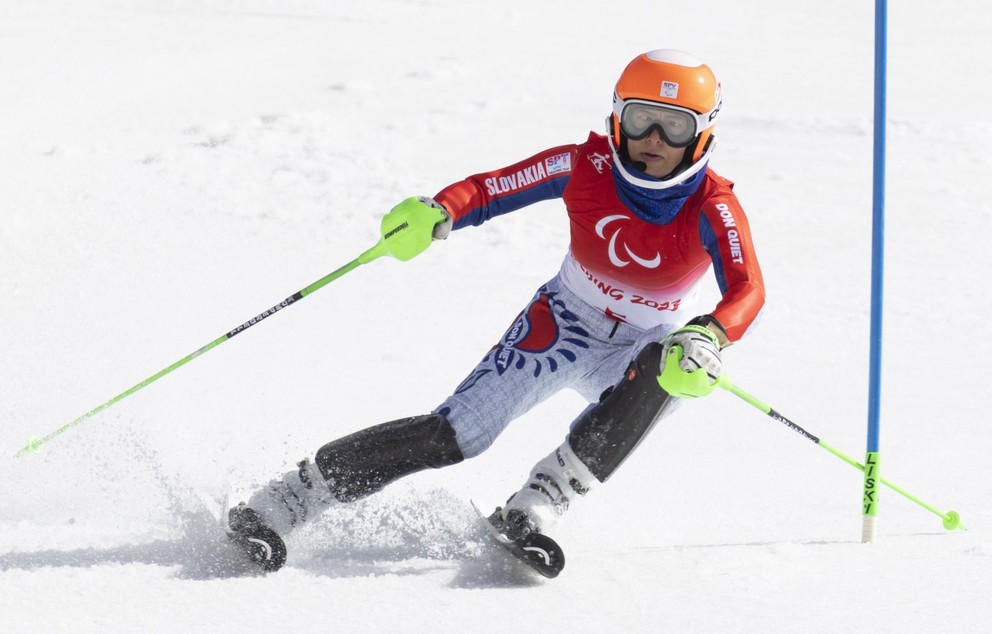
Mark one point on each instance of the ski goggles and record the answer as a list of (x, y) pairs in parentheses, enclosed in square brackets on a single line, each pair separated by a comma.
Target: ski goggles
[(677, 126)]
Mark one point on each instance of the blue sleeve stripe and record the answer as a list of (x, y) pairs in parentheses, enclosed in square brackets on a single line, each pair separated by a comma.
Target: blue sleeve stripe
[(505, 203), (712, 247)]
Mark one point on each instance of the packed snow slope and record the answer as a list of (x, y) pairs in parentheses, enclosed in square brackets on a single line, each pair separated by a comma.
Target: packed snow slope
[(169, 169)]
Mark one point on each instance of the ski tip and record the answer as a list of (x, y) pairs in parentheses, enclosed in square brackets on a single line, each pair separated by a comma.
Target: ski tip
[(543, 554), (540, 553), (262, 547)]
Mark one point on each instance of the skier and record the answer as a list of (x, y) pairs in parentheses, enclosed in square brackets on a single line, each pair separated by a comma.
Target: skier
[(617, 323)]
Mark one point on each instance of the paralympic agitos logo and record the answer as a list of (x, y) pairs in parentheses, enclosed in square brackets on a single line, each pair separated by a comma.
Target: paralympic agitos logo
[(617, 244)]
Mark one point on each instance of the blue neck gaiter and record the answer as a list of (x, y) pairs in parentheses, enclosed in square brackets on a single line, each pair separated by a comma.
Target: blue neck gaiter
[(657, 206)]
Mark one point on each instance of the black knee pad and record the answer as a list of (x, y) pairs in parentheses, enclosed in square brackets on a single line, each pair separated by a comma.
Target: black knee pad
[(364, 462), (605, 434)]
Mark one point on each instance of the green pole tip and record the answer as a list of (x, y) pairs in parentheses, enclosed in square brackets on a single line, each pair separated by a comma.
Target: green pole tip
[(33, 446), (952, 520)]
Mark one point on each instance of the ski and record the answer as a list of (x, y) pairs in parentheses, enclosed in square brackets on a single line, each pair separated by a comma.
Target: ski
[(538, 551), (260, 545)]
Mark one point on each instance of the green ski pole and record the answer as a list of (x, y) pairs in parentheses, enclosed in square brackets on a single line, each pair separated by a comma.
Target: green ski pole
[(406, 232), (951, 519)]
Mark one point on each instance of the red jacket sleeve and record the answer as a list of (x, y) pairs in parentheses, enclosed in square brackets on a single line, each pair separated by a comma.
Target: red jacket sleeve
[(726, 236), (484, 196)]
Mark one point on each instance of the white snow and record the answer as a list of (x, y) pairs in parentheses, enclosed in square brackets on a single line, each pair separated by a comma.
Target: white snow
[(171, 168)]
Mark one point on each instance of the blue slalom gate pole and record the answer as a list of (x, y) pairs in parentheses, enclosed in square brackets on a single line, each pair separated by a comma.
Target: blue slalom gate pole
[(871, 473)]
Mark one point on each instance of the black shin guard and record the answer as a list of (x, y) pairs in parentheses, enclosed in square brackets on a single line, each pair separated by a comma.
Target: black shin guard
[(364, 462), (608, 432)]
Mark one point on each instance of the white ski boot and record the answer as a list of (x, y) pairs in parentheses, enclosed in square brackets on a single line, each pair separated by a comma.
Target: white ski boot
[(288, 502), (554, 482)]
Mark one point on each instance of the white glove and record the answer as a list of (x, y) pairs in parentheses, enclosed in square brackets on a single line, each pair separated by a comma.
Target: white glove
[(443, 228), (699, 350), (690, 361)]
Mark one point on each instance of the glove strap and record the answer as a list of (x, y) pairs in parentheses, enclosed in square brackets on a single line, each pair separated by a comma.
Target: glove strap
[(710, 323)]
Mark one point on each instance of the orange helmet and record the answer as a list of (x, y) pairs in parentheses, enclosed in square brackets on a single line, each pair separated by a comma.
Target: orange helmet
[(671, 91)]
